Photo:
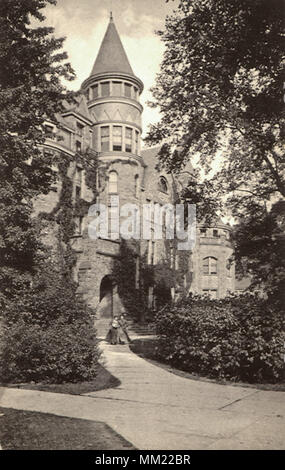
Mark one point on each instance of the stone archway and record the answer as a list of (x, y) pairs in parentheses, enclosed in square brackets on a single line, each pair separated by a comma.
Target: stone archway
[(105, 308)]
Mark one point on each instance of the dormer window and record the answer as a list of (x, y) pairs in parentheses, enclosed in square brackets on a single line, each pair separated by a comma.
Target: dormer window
[(78, 146), (49, 132), (79, 128)]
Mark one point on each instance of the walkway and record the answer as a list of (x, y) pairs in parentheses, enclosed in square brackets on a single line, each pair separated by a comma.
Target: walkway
[(154, 409)]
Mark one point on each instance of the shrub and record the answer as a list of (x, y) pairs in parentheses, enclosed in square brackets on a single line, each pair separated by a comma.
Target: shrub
[(238, 338), (60, 353), (47, 335)]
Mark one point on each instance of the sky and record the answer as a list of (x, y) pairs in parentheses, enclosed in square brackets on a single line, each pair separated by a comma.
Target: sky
[(83, 23)]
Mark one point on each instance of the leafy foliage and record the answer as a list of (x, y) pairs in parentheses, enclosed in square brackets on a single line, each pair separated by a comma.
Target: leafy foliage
[(220, 93), (46, 329), (238, 338), (47, 333), (31, 69)]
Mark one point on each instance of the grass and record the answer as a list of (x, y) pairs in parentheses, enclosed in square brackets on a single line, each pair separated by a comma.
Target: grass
[(145, 348), (102, 381), (29, 430)]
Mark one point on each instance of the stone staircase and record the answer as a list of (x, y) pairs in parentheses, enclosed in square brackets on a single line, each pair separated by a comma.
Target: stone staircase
[(135, 329), (141, 329)]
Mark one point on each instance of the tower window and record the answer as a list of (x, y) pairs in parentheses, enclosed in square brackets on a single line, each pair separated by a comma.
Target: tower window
[(137, 180), (128, 90), (136, 142), (203, 232), (162, 185), (228, 268), (113, 182), (135, 94), (117, 138), (215, 233), (116, 88), (105, 89), (210, 266), (95, 92), (105, 138), (128, 139)]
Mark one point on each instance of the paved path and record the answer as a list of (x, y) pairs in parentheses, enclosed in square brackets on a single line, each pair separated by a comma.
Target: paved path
[(154, 409)]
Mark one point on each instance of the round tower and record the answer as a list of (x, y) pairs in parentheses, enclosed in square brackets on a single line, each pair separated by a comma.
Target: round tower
[(113, 92)]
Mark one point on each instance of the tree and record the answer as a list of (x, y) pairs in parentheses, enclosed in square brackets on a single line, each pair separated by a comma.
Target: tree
[(31, 69), (220, 92), (46, 329)]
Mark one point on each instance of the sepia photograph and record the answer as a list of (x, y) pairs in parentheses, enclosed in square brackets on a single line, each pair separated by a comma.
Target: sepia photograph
[(142, 229)]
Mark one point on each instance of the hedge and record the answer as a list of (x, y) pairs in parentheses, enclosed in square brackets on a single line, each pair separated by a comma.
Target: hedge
[(240, 338)]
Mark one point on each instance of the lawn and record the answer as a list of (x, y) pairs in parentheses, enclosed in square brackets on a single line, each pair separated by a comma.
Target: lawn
[(103, 380), (29, 430)]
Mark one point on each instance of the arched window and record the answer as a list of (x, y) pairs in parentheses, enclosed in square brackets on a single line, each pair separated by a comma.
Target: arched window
[(137, 181), (113, 182), (162, 185), (210, 265), (229, 268)]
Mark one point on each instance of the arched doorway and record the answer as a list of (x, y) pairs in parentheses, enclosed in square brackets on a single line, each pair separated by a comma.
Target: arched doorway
[(105, 309)]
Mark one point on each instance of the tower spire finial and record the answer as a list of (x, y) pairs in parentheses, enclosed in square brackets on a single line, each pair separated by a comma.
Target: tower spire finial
[(111, 15)]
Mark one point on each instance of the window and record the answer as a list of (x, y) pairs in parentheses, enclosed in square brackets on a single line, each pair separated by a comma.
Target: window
[(203, 232), (209, 266), (78, 225), (95, 92), (128, 90), (137, 185), (105, 89), (151, 252), (49, 132), (117, 138), (105, 138), (212, 293), (79, 129), (78, 146), (162, 185), (128, 139), (78, 176), (77, 193), (116, 88), (228, 268), (215, 233), (136, 142), (113, 182), (135, 95)]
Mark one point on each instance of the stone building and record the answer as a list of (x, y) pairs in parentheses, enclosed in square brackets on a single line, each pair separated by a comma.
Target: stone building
[(105, 121)]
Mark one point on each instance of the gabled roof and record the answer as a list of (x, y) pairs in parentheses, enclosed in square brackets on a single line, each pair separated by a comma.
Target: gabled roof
[(79, 107), (111, 56)]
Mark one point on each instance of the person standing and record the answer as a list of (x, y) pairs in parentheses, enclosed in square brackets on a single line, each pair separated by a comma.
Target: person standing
[(124, 325), (115, 330)]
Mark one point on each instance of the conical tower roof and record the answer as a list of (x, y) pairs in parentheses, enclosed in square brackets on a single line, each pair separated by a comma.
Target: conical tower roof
[(111, 56)]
